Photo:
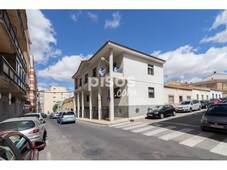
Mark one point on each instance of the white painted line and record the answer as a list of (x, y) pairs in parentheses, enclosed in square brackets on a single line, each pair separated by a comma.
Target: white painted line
[(221, 148), (159, 130), (136, 126), (48, 154), (119, 124), (123, 126), (194, 140), (175, 134), (143, 129), (183, 124)]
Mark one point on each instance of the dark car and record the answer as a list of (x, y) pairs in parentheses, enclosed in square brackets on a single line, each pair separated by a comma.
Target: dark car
[(44, 115), (161, 111), (16, 146), (205, 104), (215, 118)]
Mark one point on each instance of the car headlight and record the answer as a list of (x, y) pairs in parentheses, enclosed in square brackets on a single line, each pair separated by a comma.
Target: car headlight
[(204, 117)]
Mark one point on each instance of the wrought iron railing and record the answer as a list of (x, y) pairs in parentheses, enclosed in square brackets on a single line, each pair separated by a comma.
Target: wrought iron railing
[(8, 71)]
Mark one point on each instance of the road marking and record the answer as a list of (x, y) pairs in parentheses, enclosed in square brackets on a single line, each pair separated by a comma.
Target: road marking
[(144, 129), (175, 134), (48, 154), (194, 140), (123, 126), (183, 124), (159, 130), (221, 148), (136, 126), (119, 124)]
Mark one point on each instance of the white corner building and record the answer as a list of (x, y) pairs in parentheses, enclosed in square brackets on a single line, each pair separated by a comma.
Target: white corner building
[(136, 79)]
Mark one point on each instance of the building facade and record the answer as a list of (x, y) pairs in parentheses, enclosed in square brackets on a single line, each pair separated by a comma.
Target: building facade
[(68, 104), (52, 96), (14, 63), (175, 92), (118, 81), (216, 81)]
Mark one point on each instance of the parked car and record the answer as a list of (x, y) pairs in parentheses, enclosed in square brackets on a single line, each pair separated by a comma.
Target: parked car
[(215, 101), (205, 104), (38, 115), (53, 115), (161, 111), (44, 115), (65, 117), (215, 118), (29, 126), (16, 146), (188, 105)]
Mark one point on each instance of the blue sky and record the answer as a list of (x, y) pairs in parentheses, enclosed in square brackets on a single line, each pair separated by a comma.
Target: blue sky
[(193, 42)]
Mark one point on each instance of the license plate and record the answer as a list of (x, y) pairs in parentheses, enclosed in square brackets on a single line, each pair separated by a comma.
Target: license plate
[(217, 126)]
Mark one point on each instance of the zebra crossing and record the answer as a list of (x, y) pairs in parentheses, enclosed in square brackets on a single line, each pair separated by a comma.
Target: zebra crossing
[(187, 136)]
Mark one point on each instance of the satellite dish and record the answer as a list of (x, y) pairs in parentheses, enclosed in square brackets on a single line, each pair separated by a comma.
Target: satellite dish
[(102, 71)]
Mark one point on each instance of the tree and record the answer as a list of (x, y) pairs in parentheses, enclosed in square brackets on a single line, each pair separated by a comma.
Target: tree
[(55, 107)]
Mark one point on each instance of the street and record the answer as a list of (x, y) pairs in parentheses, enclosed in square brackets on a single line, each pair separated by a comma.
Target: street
[(172, 138)]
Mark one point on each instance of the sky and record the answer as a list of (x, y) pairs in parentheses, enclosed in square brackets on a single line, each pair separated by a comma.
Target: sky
[(193, 42)]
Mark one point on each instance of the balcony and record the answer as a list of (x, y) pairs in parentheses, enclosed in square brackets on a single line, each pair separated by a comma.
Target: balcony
[(8, 76), (13, 36)]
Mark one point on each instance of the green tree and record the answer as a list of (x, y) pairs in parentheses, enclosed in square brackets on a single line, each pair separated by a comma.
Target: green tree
[(55, 107)]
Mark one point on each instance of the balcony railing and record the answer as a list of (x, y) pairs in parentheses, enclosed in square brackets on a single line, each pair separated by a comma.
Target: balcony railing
[(21, 24), (8, 71), (13, 36)]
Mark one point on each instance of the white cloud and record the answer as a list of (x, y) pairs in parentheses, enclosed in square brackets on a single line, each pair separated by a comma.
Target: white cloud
[(42, 36), (221, 19), (75, 15), (92, 16), (64, 69), (115, 22), (185, 64), (220, 37)]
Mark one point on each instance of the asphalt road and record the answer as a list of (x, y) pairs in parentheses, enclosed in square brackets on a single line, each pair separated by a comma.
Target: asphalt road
[(85, 141)]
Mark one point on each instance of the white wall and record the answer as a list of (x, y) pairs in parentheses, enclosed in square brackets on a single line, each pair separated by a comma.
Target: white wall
[(200, 93), (216, 94), (136, 68)]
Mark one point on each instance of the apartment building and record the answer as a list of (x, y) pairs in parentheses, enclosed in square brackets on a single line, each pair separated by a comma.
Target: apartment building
[(118, 81), (215, 81), (52, 96), (14, 63), (175, 92), (33, 86)]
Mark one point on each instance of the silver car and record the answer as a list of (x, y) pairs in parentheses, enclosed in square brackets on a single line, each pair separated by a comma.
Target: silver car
[(29, 126), (38, 115), (215, 118)]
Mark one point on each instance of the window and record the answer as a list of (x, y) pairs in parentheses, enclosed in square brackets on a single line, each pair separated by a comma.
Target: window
[(150, 69), (216, 96), (22, 144), (150, 92), (212, 95), (86, 78), (117, 93), (207, 97), (94, 72), (180, 99), (188, 97), (80, 83), (202, 97), (197, 97), (87, 98), (171, 99)]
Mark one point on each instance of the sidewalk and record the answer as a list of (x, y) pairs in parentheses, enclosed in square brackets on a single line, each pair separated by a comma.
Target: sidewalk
[(106, 122)]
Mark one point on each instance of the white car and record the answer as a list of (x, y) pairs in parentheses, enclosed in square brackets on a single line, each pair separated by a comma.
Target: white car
[(188, 106), (38, 115)]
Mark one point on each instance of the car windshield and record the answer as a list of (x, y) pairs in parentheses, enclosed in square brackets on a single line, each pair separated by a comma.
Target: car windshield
[(217, 110), (31, 115), (17, 125), (202, 101), (185, 102), (158, 107)]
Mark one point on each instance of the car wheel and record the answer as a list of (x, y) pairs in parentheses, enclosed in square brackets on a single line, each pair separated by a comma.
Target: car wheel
[(190, 109), (44, 136), (161, 116), (202, 128), (174, 113)]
